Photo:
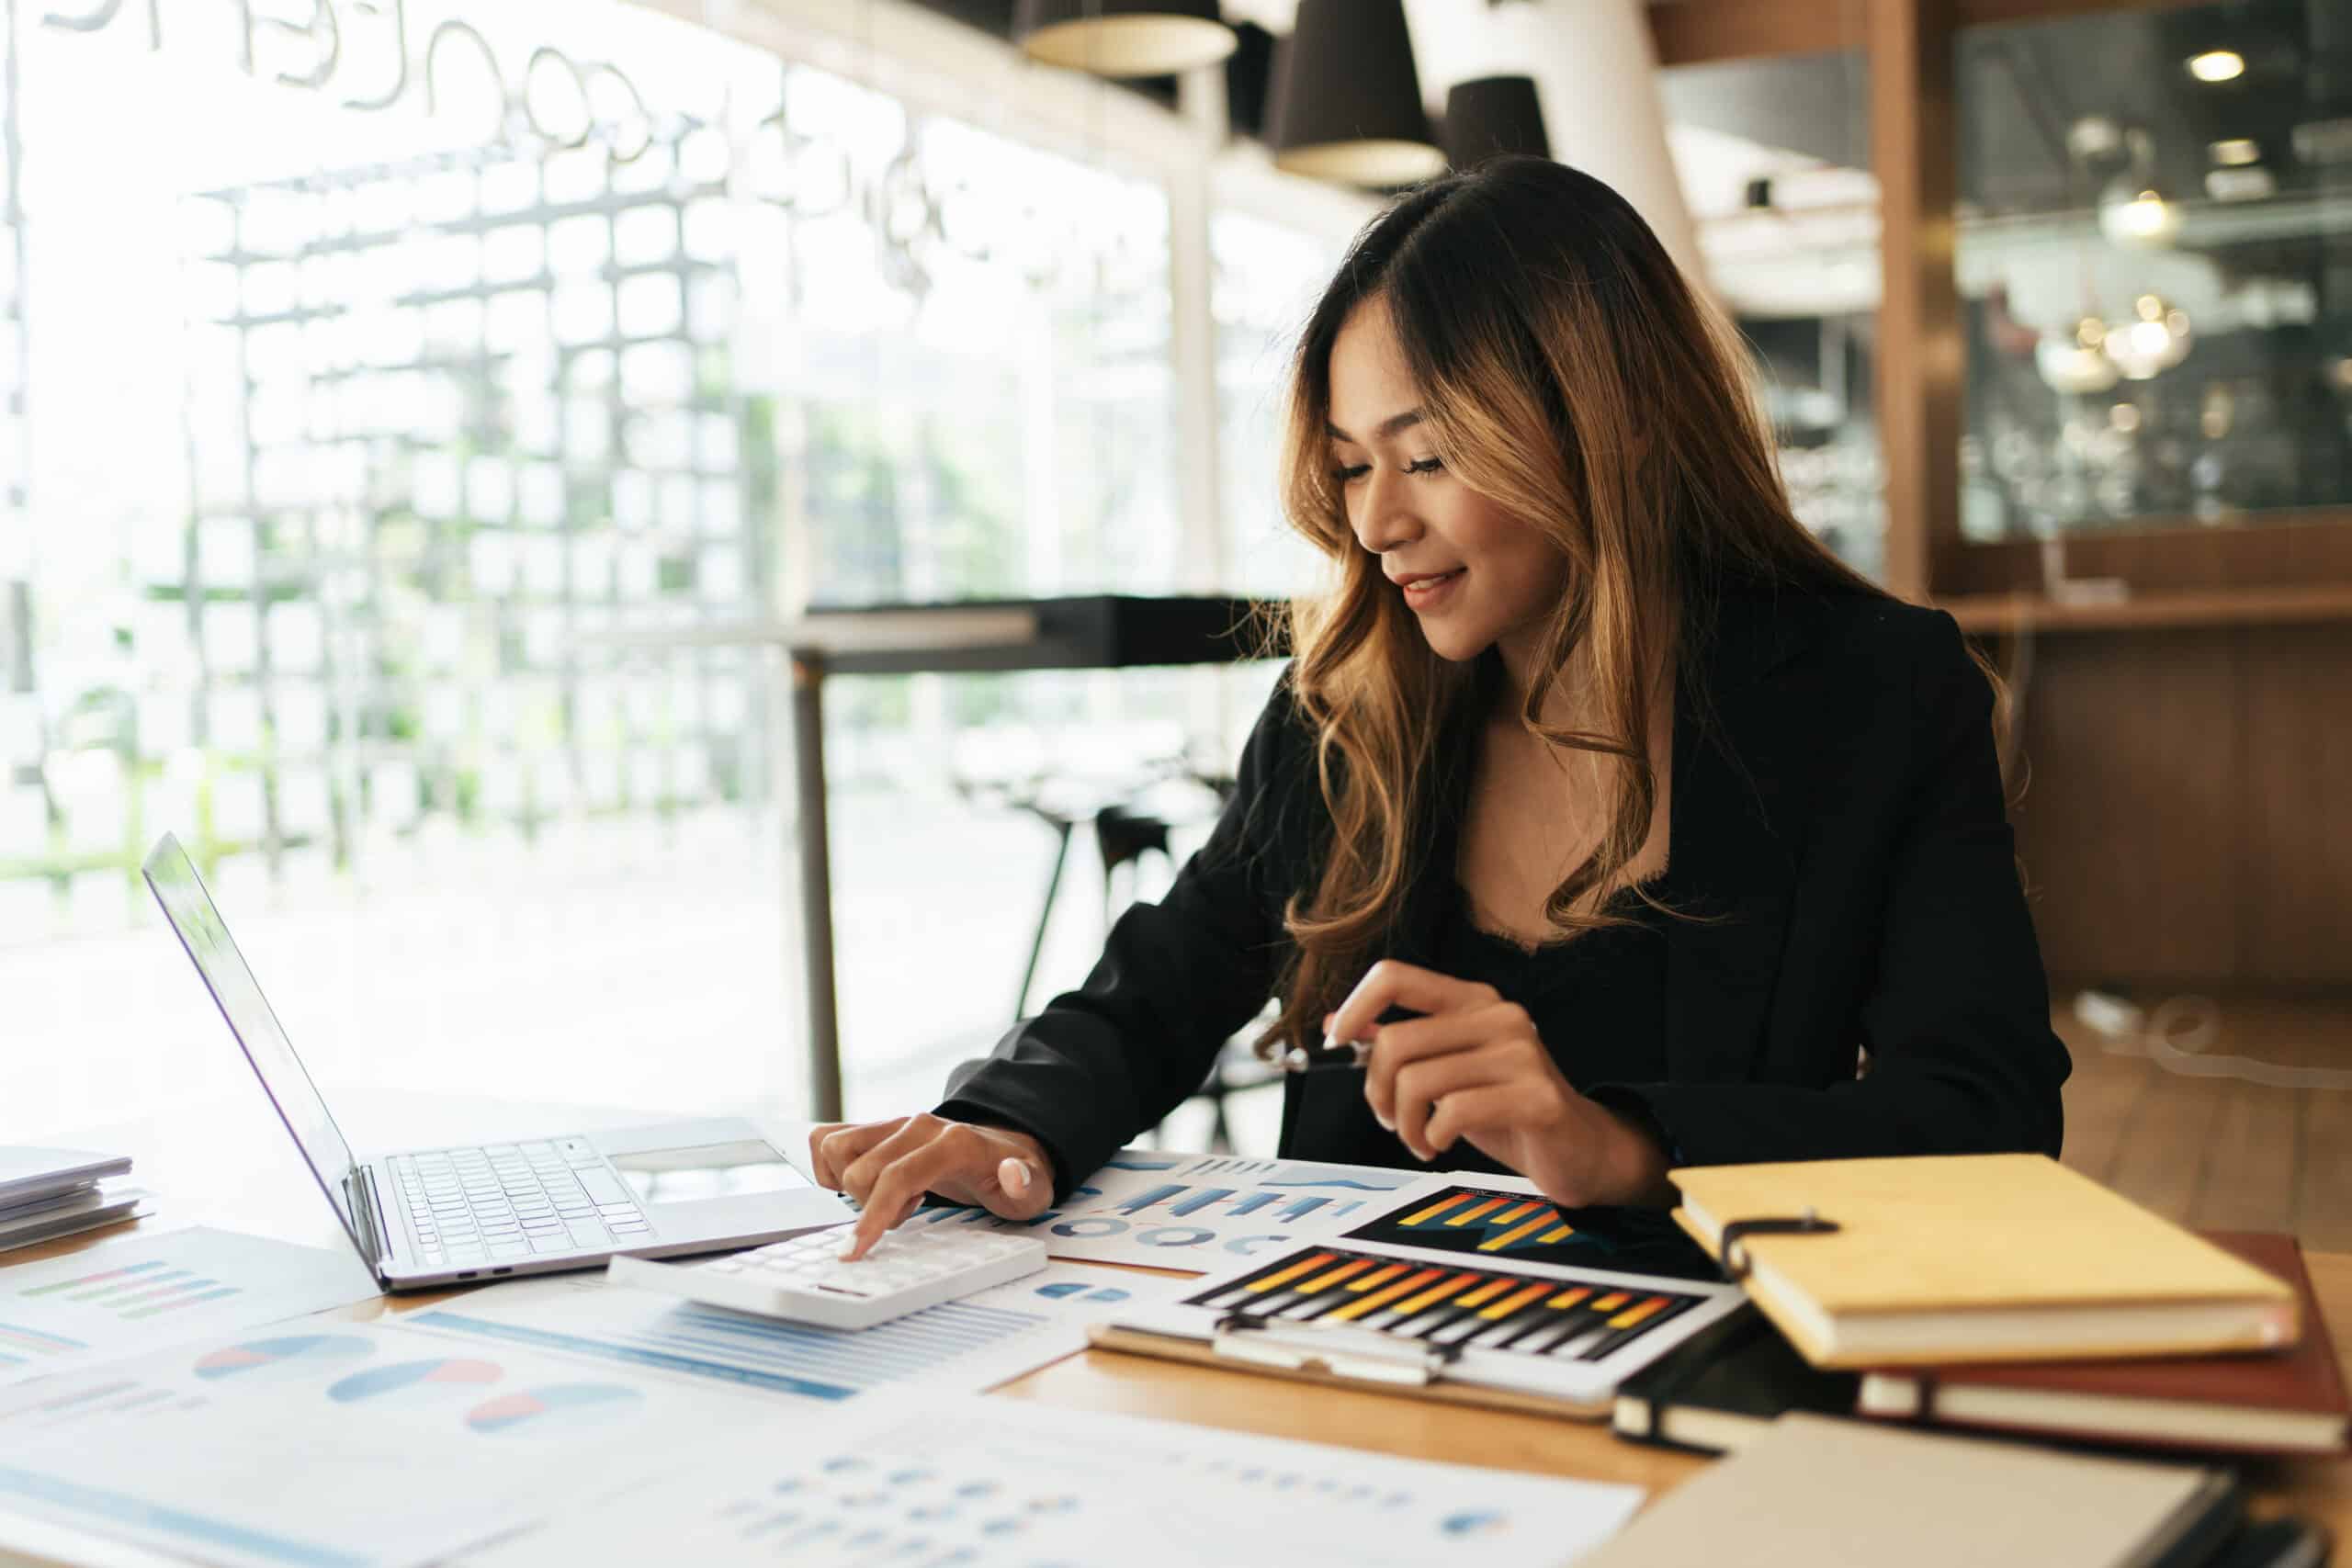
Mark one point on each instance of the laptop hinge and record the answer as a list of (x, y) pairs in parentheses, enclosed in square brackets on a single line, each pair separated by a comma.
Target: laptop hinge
[(361, 1190)]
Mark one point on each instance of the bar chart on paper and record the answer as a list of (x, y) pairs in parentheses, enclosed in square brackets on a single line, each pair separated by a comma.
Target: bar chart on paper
[(1186, 1210), (1477, 1308), (1527, 1227), (148, 1291), (129, 1294), (140, 1290)]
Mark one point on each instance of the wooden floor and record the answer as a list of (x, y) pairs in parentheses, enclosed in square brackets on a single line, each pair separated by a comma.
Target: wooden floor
[(2222, 1152)]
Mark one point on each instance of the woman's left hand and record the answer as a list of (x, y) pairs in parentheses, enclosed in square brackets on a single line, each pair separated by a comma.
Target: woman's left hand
[(1476, 1068)]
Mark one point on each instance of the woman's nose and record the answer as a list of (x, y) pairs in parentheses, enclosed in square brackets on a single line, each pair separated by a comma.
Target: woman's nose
[(1384, 518)]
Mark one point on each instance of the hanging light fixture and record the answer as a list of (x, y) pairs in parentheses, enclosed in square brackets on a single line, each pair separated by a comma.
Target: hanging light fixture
[(2134, 209), (1123, 38), (2217, 65), (1492, 115), (2157, 341), (2076, 362), (2131, 213), (1347, 101)]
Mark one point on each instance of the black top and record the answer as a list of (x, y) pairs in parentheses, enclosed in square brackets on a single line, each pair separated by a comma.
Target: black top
[(1837, 819), (1597, 999)]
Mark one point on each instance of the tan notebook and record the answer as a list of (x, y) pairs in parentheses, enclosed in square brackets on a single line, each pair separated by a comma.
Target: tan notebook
[(1816, 1489), (1977, 1258), (2292, 1402)]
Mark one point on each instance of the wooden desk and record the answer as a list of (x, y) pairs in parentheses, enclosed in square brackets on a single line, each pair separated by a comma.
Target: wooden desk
[(1101, 1380), (218, 1186)]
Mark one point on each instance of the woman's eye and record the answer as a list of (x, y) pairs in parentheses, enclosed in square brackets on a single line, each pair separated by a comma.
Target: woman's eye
[(1346, 475), (1425, 466)]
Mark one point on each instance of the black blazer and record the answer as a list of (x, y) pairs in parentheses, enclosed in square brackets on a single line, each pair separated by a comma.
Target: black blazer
[(1836, 801)]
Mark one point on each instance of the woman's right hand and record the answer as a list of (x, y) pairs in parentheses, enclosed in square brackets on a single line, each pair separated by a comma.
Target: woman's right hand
[(889, 1166)]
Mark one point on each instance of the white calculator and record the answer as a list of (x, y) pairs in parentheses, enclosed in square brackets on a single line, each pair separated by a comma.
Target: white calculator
[(804, 1279)]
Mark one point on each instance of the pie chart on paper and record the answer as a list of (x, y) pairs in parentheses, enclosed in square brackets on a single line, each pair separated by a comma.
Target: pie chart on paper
[(415, 1383), (294, 1355), (561, 1407)]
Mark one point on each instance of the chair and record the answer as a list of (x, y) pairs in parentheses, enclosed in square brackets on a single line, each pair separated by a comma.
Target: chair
[(1122, 835)]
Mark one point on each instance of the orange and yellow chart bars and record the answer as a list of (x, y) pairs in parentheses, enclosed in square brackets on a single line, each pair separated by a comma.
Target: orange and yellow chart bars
[(1546, 1221), (1476, 1308), (1330, 1277), (1641, 1314), (1510, 1304), (1286, 1275), (1418, 1302), (1506, 1221), (1380, 1298), (1474, 1210), (1419, 1215)]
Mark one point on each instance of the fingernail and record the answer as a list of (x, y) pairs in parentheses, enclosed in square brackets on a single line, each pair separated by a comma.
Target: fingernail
[(1014, 1175), (1383, 1122)]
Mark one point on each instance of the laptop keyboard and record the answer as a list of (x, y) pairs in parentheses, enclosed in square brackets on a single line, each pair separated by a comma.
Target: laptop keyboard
[(504, 1202)]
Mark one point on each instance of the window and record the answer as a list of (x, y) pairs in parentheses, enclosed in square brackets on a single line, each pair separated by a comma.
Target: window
[(370, 438), (1267, 277)]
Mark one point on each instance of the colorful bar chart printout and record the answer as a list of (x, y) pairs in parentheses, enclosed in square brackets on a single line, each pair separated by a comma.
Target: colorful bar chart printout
[(1522, 1228), (1476, 1308)]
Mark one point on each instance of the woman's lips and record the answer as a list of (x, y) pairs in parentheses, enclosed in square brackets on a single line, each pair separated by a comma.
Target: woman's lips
[(1429, 590)]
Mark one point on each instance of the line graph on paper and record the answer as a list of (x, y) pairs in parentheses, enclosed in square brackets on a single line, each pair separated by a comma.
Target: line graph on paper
[(1192, 1211)]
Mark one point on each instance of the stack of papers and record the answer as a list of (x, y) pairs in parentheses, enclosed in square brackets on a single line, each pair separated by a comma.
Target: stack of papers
[(46, 1193)]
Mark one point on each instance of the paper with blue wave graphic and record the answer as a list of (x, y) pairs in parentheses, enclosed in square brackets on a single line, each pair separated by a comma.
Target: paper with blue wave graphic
[(1012, 1484), (1171, 1210)]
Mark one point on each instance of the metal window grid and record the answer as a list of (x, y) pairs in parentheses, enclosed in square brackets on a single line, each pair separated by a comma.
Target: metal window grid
[(398, 438)]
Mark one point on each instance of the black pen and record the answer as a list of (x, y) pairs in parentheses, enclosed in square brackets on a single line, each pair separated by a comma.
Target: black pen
[(1331, 1054)]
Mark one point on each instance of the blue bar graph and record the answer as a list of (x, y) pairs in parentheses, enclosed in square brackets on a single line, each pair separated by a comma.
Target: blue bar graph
[(1148, 1199), (1256, 1201), (1202, 1200), (1301, 1207)]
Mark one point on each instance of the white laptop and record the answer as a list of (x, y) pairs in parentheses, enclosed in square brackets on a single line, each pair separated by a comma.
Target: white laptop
[(439, 1216)]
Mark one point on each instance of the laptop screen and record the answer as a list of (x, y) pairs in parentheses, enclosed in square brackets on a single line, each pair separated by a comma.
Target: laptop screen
[(201, 931)]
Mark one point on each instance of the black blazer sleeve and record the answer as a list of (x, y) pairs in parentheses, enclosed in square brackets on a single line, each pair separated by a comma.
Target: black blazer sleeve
[(1176, 978), (1956, 1010)]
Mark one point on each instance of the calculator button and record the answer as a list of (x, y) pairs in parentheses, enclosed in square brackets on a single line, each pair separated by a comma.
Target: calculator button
[(803, 1279)]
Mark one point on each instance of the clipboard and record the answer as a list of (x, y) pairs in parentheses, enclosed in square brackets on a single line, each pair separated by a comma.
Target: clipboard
[(1434, 1324), (1303, 1356)]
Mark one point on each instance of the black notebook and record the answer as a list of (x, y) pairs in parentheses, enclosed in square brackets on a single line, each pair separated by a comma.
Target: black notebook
[(2285, 1542), (1726, 1386)]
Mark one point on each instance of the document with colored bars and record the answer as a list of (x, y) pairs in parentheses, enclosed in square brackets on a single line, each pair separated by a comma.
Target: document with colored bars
[(1506, 1220), (1555, 1331)]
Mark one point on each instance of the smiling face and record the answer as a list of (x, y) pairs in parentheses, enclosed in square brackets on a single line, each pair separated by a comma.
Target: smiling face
[(1472, 573)]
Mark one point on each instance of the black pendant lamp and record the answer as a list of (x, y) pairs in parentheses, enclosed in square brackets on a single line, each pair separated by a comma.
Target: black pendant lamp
[(1123, 38), (1347, 101), (1493, 115)]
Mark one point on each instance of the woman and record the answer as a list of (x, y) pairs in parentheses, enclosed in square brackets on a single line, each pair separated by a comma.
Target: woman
[(1626, 826)]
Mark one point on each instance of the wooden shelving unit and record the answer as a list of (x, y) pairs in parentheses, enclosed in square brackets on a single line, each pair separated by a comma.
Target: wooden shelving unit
[(2000, 614)]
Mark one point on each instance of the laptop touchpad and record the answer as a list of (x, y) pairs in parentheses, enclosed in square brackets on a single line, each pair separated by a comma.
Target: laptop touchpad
[(706, 1172)]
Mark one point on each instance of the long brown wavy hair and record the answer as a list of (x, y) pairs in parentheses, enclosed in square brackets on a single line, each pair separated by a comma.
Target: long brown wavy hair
[(1569, 374)]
